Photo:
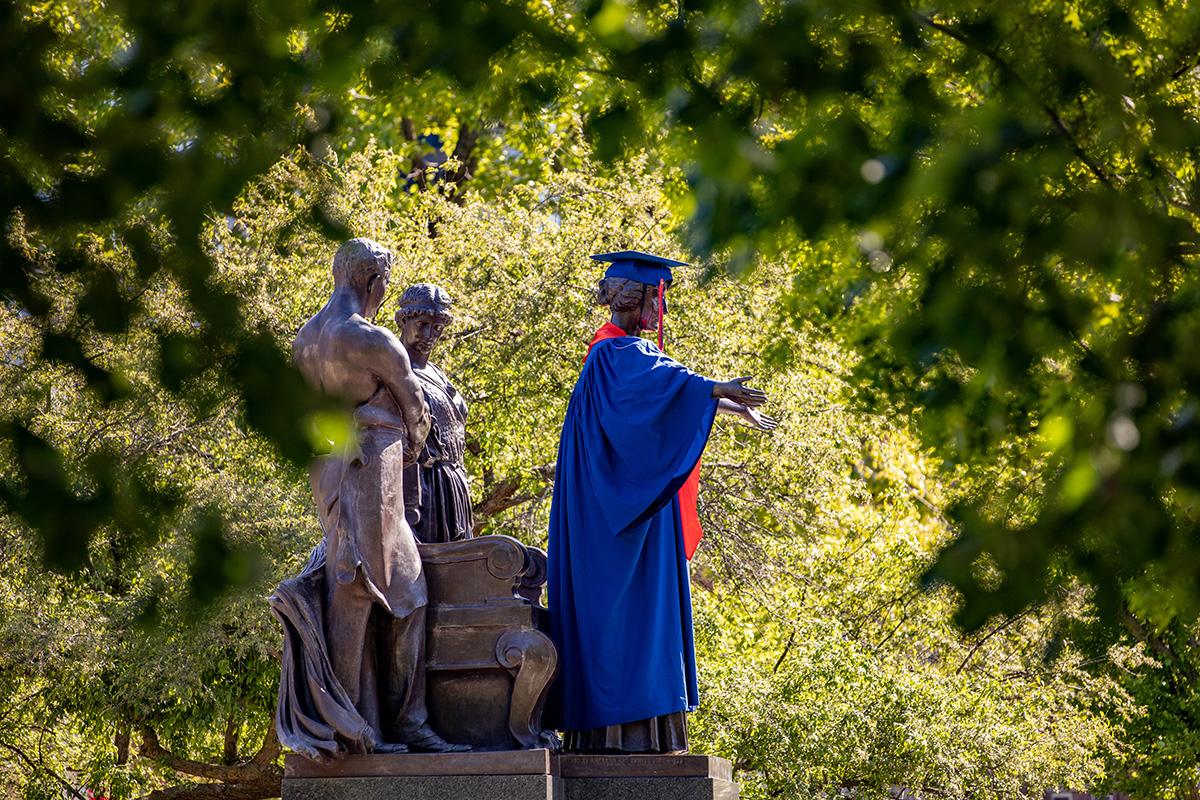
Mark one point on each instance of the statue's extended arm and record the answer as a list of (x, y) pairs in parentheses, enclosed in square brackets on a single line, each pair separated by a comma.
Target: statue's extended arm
[(751, 416), (741, 401), (736, 391)]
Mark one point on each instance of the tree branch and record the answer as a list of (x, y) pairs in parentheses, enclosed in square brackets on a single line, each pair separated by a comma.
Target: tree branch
[(121, 740), (230, 751), (786, 649), (1157, 644), (257, 771), (258, 779), (1185, 60), (464, 152), (1184, 69), (42, 768), (981, 642), (269, 752), (502, 495), (1063, 131), (419, 164), (897, 626), (408, 128)]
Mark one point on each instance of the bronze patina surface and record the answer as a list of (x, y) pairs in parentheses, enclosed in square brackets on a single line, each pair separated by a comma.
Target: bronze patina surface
[(387, 640), (442, 508), (353, 673), (489, 664)]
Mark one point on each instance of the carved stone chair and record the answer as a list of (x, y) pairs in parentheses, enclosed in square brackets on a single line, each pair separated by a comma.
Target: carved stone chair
[(489, 663)]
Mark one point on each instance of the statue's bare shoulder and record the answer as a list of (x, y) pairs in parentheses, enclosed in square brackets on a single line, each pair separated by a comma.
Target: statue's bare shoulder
[(349, 356)]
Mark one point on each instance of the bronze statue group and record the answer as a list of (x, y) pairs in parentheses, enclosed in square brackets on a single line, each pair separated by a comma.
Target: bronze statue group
[(622, 523)]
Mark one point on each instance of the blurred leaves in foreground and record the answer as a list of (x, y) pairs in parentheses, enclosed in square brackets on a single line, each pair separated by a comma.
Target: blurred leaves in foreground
[(985, 214), (1019, 181), (826, 664)]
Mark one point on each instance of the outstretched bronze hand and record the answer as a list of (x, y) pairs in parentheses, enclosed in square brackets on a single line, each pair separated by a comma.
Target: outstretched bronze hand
[(740, 401), (753, 417), (739, 393)]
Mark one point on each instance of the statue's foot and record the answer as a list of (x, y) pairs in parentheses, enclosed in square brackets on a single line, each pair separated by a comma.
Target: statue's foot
[(436, 744), (390, 747), (550, 741)]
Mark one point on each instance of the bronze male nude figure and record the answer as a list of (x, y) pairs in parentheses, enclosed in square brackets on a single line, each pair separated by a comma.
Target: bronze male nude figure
[(354, 671)]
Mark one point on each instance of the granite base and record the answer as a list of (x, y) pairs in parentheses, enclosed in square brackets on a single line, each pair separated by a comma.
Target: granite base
[(511, 775), (649, 789), (426, 787), (686, 777)]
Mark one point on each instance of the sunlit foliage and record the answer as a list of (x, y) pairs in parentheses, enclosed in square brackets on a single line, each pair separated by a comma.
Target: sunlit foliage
[(956, 241)]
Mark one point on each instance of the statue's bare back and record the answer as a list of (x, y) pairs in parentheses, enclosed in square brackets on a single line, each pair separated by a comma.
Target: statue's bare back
[(344, 355)]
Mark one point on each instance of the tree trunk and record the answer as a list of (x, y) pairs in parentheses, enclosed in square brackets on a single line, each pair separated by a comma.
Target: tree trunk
[(256, 779)]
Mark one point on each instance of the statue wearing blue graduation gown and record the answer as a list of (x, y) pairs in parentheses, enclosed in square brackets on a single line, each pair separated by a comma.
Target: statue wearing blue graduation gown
[(620, 602)]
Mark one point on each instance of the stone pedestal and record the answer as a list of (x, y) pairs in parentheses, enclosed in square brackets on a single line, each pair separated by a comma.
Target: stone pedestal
[(512, 775), (687, 777), (488, 662)]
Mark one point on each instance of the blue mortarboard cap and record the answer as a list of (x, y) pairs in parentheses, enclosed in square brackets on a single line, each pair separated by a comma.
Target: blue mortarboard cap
[(641, 267)]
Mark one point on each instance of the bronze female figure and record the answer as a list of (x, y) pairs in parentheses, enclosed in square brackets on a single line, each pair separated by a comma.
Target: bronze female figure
[(444, 511)]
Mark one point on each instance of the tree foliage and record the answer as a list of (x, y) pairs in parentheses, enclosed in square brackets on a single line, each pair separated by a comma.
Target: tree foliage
[(1018, 180), (959, 237), (808, 594)]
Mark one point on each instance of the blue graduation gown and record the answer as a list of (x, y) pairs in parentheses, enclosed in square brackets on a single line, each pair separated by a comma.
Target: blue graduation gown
[(620, 600)]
